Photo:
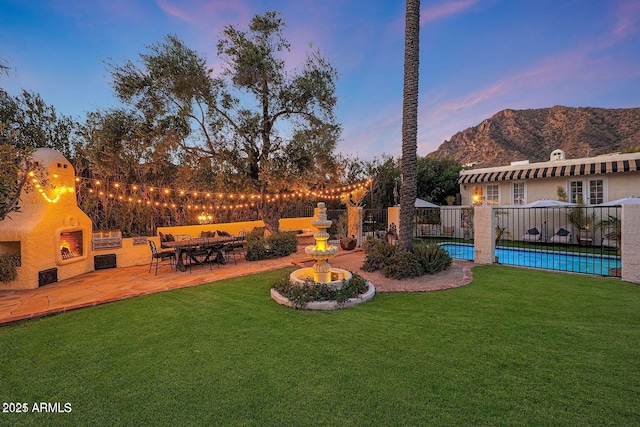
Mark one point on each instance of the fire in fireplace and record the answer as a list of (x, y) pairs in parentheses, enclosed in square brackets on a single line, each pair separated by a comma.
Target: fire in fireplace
[(71, 245)]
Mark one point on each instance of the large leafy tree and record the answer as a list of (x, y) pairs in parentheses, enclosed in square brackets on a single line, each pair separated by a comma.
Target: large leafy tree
[(14, 164), (119, 146), (409, 122), (437, 178), (26, 122), (268, 128), (30, 122)]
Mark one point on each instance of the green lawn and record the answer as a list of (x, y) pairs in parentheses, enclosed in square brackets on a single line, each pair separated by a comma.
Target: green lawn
[(515, 347)]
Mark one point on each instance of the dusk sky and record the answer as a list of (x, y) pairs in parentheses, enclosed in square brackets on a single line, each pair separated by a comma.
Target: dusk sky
[(477, 57)]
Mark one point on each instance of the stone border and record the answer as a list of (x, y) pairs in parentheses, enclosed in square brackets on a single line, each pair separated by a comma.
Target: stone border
[(327, 305)]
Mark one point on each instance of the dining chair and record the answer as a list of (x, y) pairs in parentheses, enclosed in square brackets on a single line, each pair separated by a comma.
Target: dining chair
[(197, 254), (229, 249), (240, 241), (160, 257)]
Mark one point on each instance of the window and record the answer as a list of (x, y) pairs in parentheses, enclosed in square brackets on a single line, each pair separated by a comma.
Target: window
[(477, 195), (576, 192), (481, 195), (493, 195), (591, 192), (596, 192), (518, 193)]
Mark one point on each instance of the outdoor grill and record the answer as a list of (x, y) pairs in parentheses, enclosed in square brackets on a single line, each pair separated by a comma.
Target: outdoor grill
[(106, 239)]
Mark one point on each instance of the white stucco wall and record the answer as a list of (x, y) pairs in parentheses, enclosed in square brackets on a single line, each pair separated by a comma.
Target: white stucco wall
[(630, 243), (484, 235)]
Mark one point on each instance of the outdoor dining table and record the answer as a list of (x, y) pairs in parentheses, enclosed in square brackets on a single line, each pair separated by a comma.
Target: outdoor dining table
[(213, 245)]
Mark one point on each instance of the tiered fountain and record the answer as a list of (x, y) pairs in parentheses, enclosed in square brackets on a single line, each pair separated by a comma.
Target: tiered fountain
[(322, 272)]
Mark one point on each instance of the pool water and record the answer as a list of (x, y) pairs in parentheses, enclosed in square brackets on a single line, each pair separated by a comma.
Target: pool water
[(563, 261)]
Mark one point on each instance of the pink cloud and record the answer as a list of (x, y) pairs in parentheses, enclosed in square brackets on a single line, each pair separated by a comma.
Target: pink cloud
[(443, 10), (207, 13), (627, 17), (174, 11)]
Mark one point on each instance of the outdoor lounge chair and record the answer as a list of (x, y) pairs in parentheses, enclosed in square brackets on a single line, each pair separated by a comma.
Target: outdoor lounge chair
[(562, 235), (610, 239), (448, 231), (532, 235)]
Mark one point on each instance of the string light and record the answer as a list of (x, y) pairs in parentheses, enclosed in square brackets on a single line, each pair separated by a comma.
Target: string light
[(132, 192), (58, 190)]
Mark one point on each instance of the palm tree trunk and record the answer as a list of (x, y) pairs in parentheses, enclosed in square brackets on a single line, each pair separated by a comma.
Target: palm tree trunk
[(408, 167)]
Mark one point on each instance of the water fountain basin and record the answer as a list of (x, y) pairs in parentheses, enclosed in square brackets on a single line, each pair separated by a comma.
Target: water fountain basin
[(336, 276), (316, 252)]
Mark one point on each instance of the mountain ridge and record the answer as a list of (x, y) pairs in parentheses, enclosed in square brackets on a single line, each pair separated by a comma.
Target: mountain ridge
[(532, 134)]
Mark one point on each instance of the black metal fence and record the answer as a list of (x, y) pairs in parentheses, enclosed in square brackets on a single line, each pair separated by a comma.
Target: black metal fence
[(374, 222), (299, 210), (573, 239), (444, 224)]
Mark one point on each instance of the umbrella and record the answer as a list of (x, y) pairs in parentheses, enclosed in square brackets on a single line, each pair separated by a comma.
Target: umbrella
[(624, 201), (547, 203), (424, 204)]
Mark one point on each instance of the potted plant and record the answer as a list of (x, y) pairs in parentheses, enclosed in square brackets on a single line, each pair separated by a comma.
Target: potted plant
[(583, 221), (347, 243), (450, 200)]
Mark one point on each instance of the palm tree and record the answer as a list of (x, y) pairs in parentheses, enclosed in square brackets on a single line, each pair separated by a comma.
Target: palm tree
[(408, 167)]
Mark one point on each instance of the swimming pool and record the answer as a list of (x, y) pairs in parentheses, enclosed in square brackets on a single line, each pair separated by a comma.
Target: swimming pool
[(600, 265)]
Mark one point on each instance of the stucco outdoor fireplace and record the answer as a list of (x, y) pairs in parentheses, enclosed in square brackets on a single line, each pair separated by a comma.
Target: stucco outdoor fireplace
[(50, 233)]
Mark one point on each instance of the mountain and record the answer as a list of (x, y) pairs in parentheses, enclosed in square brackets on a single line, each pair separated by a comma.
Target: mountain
[(532, 135)]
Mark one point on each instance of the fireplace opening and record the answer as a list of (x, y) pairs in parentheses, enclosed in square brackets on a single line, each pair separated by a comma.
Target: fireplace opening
[(71, 244)]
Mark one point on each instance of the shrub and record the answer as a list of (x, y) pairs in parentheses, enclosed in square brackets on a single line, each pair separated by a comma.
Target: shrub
[(379, 256), (301, 295), (370, 244), (433, 257), (282, 244), (256, 246), (403, 264), (273, 246), (8, 265)]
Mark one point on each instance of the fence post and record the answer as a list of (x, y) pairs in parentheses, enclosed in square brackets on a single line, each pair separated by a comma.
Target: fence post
[(484, 235), (630, 242), (393, 215), (354, 222)]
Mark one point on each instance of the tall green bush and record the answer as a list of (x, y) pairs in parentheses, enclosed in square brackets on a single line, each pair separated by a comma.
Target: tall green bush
[(273, 246), (282, 244)]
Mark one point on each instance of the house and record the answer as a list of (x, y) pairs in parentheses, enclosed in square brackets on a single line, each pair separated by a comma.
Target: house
[(594, 179)]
